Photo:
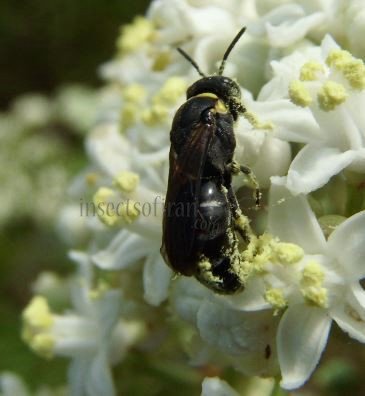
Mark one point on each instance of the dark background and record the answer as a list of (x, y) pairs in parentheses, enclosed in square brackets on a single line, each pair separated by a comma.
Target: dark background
[(45, 44)]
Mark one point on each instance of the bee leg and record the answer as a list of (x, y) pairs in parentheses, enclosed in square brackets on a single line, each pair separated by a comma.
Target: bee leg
[(236, 168), (218, 273), (241, 222)]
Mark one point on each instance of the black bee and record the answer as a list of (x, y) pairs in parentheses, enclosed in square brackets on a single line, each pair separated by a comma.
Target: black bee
[(201, 214)]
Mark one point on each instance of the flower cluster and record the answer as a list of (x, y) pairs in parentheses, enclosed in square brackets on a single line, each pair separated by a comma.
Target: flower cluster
[(303, 136), (35, 180)]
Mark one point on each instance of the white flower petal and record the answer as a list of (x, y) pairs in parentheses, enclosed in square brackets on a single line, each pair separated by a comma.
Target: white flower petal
[(315, 165), (216, 387), (251, 299), (288, 33), (232, 331), (12, 385), (156, 279), (107, 309), (347, 245), (302, 336), (77, 373), (110, 150), (99, 380), (123, 251), (292, 220), (273, 160), (338, 128), (291, 123), (186, 296), (350, 314)]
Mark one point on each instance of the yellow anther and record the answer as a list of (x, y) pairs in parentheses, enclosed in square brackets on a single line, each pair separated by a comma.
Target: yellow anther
[(135, 34), (104, 208), (91, 178), (155, 115), (299, 94), (162, 60), (134, 93), (312, 285), (275, 297), (43, 345), (312, 275), (317, 296), (171, 91), (353, 69), (287, 253), (311, 71), (127, 211), (331, 95), (37, 314), (337, 58), (254, 120), (129, 115), (126, 181)]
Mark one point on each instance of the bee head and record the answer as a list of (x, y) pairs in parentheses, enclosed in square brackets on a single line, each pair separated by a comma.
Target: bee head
[(224, 88)]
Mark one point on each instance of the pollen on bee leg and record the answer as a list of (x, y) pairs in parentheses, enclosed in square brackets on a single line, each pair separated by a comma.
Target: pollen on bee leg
[(205, 271)]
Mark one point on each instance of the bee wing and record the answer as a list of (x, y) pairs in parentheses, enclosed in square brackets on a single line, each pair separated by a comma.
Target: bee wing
[(182, 199)]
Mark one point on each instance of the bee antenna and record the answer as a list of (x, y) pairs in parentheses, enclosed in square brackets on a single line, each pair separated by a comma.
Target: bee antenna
[(229, 49), (190, 60)]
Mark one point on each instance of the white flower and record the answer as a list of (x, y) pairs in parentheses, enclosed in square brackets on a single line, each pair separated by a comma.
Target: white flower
[(90, 335), (11, 384), (244, 339), (327, 85), (298, 282), (216, 387), (314, 280)]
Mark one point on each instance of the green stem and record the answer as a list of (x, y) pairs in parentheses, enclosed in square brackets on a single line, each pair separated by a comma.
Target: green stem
[(277, 390)]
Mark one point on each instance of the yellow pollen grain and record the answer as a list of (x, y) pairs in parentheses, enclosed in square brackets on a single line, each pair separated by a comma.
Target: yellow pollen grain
[(275, 297), (331, 95), (299, 94), (135, 34), (134, 93), (317, 296), (91, 178), (37, 314), (43, 345), (259, 253), (162, 60), (155, 115), (337, 58), (287, 253), (106, 213), (353, 69), (126, 181), (254, 120), (128, 211), (171, 91), (312, 275), (129, 115), (354, 73), (311, 71)]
